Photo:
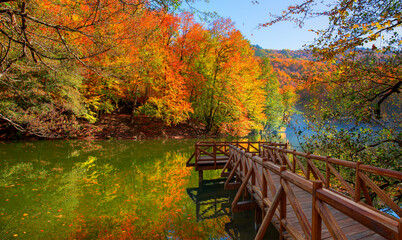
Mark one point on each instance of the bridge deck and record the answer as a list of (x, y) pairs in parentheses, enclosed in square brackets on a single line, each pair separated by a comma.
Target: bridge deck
[(302, 201), (351, 228)]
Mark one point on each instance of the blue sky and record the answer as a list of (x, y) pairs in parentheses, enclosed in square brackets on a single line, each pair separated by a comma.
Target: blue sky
[(247, 16)]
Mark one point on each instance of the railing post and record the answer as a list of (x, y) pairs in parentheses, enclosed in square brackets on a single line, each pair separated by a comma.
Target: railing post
[(258, 216), (214, 153), (316, 218), (264, 185), (308, 166), (197, 152), (400, 229), (294, 161), (327, 173), (357, 186), (253, 176), (268, 151), (200, 178), (282, 207), (243, 157)]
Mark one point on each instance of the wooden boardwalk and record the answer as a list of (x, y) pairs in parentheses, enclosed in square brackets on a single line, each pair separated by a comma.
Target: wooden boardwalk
[(351, 228), (303, 201)]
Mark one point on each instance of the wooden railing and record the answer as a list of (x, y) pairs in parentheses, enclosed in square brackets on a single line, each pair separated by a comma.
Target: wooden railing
[(219, 151), (327, 170), (256, 174)]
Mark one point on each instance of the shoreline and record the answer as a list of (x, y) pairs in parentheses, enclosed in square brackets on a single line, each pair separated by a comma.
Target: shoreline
[(118, 126)]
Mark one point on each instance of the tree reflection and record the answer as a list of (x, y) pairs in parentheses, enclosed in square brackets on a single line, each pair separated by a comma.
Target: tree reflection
[(85, 195)]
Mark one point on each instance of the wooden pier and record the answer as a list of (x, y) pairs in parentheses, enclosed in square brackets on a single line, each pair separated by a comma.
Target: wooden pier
[(305, 196)]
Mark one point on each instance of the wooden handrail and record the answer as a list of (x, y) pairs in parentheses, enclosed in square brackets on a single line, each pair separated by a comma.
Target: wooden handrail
[(344, 163), (214, 149), (255, 173), (362, 181)]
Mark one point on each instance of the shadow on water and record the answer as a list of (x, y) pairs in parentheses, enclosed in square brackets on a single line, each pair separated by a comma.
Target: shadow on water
[(213, 201)]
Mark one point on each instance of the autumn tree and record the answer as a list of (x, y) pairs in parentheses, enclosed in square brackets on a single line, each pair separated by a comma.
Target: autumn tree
[(231, 97), (47, 48), (373, 75), (362, 87)]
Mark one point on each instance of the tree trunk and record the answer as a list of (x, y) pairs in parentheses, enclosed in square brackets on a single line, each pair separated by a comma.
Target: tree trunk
[(134, 112)]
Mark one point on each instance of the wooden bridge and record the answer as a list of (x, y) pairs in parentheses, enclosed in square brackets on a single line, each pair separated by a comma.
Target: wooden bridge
[(306, 196)]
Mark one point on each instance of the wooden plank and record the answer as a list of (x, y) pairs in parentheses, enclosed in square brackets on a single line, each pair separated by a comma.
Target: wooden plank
[(241, 189), (366, 194), (209, 158), (382, 172), (246, 206), (212, 163), (268, 217), (284, 156), (316, 172), (232, 173), (381, 194), (267, 175), (299, 181), (299, 163), (292, 230), (316, 219), (342, 180), (282, 213), (205, 152), (231, 186), (257, 174), (297, 208), (270, 181), (387, 227), (209, 167), (330, 221), (228, 163), (188, 164)]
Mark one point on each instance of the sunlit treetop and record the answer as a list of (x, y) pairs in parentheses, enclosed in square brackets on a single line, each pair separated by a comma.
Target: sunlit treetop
[(352, 24)]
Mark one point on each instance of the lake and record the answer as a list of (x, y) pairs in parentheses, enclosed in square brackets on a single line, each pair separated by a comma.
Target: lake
[(114, 189)]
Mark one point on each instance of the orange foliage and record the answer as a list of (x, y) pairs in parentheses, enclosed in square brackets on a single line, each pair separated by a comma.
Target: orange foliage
[(160, 64)]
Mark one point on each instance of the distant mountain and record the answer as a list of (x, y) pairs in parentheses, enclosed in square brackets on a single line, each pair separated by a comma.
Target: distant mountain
[(289, 65), (284, 53)]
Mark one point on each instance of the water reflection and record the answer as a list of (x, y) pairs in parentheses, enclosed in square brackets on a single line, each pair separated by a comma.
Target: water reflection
[(100, 189), (213, 202), (116, 189)]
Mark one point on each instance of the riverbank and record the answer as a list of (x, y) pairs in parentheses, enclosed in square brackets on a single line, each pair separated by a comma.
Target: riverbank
[(119, 126)]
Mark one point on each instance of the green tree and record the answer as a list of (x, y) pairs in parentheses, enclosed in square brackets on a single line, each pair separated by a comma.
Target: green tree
[(369, 79), (274, 107), (231, 99), (362, 85)]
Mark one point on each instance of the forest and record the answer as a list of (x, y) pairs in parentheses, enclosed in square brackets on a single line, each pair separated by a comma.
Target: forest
[(136, 69), (66, 63)]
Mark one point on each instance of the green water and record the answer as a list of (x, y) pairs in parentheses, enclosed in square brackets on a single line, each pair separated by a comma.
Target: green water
[(117, 189)]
